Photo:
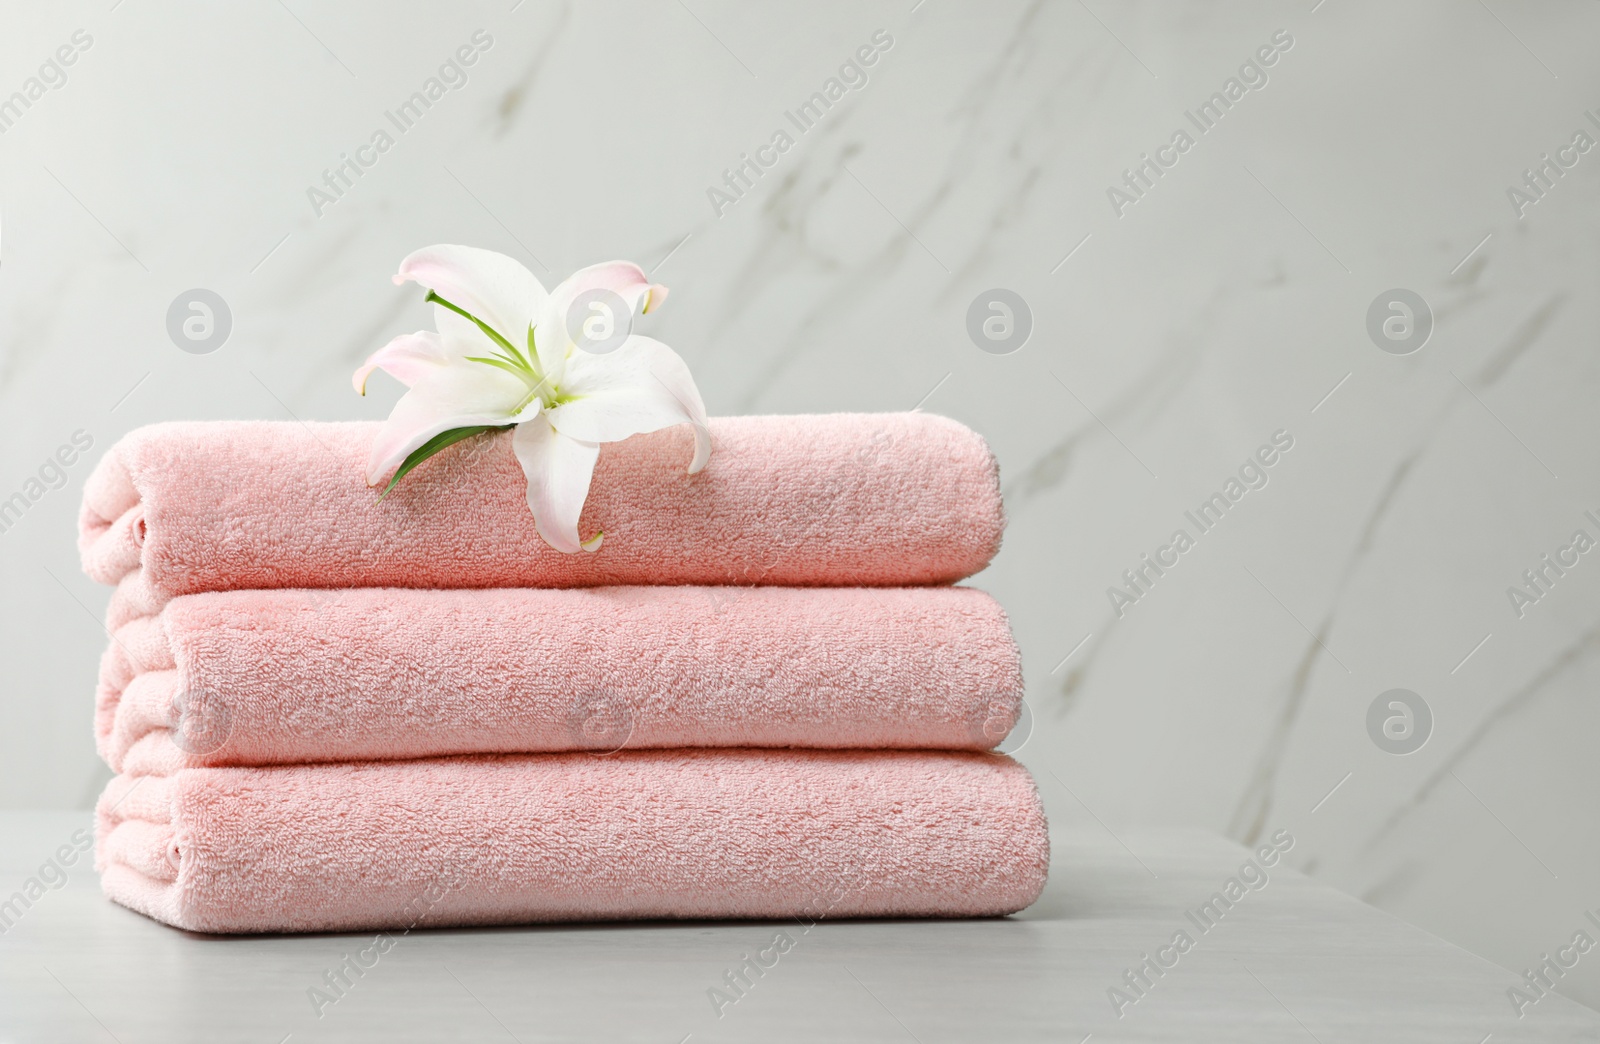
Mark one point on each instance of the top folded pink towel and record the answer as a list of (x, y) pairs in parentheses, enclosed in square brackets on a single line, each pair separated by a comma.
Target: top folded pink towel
[(842, 500)]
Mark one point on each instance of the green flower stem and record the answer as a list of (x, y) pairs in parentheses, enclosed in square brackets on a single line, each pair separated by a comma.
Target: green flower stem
[(489, 332)]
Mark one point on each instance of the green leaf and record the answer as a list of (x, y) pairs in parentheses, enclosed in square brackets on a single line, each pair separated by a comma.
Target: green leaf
[(434, 445)]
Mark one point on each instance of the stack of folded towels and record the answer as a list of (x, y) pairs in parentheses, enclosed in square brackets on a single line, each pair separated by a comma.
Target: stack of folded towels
[(760, 698)]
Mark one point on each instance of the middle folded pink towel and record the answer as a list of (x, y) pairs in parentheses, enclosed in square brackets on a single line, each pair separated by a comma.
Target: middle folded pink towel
[(239, 678)]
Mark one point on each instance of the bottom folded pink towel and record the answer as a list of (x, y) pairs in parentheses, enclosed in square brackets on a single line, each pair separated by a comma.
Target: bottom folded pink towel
[(563, 837)]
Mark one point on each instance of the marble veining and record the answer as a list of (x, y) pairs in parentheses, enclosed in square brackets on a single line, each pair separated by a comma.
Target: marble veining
[(1166, 343)]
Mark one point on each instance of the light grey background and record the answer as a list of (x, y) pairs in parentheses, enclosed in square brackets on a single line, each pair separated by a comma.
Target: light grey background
[(1225, 305)]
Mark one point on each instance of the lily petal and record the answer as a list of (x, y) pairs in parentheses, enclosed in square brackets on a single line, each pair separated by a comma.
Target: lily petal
[(559, 469), (492, 286), (643, 386), (454, 396), (409, 358), (460, 336), (623, 278)]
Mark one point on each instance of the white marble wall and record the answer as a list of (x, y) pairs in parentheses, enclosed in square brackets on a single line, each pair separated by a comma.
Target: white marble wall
[(1176, 338)]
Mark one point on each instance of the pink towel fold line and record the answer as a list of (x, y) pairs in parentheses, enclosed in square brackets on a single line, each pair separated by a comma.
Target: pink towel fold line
[(891, 499), (571, 837), (279, 677)]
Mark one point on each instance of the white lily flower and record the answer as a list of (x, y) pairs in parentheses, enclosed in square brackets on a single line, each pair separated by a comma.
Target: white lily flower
[(503, 355)]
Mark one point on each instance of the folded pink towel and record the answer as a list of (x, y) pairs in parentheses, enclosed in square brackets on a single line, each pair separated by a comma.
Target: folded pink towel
[(277, 677), (888, 499), (560, 837)]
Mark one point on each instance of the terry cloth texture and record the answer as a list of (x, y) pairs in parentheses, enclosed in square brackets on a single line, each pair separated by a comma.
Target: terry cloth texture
[(891, 499), (278, 677), (561, 837)]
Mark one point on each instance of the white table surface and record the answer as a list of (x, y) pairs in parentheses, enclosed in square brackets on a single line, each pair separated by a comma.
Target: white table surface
[(1295, 961)]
